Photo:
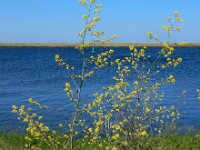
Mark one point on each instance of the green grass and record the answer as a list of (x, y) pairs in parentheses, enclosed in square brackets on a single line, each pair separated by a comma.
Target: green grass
[(173, 142), (10, 141)]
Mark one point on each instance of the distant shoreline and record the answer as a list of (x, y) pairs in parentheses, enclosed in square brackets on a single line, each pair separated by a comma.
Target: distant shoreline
[(93, 45)]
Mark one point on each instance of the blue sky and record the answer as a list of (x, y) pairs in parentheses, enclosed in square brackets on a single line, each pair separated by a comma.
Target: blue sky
[(59, 20)]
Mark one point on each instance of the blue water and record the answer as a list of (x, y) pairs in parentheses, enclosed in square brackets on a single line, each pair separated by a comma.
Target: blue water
[(32, 72)]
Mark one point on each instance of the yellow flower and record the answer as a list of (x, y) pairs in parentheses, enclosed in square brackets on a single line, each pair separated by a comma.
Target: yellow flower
[(171, 49), (108, 116), (131, 47), (115, 137), (117, 127), (101, 5), (125, 143), (114, 148), (14, 107), (179, 59), (178, 28), (14, 111), (32, 101), (57, 58), (136, 83), (111, 51), (97, 130), (85, 16), (25, 120), (90, 130), (164, 28), (99, 123), (180, 20), (147, 109), (96, 19), (173, 81), (22, 107), (150, 35), (100, 145), (60, 125), (173, 114), (27, 138), (67, 85), (34, 115), (97, 10), (83, 2), (40, 117), (171, 76), (114, 36), (143, 133), (176, 14), (169, 28), (92, 1)]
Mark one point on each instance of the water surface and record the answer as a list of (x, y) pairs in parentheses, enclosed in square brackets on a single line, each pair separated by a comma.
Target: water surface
[(32, 72)]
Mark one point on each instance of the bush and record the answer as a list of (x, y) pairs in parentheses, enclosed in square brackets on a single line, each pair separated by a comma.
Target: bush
[(125, 114)]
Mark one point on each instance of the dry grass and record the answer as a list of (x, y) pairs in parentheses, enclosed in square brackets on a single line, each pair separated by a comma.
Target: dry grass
[(96, 45)]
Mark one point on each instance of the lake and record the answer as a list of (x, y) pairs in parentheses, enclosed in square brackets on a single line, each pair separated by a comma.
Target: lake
[(32, 72)]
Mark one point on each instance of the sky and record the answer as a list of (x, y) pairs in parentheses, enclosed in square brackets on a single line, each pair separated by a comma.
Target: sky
[(60, 20)]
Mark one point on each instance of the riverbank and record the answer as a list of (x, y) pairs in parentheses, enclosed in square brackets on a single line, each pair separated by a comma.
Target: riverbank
[(171, 142), (95, 45)]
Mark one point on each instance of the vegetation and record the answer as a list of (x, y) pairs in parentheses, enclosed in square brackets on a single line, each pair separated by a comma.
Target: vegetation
[(126, 114), (170, 142)]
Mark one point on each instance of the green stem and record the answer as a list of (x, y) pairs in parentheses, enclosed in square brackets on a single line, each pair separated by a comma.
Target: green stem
[(81, 83)]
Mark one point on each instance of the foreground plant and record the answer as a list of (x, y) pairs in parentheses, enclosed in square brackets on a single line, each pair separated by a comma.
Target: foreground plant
[(129, 109), (126, 111)]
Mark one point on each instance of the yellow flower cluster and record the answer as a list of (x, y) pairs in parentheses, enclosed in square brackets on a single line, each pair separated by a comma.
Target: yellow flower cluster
[(62, 63), (101, 60), (83, 2), (34, 102), (127, 109)]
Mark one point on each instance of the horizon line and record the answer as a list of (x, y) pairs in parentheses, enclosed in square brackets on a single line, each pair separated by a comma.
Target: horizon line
[(71, 44)]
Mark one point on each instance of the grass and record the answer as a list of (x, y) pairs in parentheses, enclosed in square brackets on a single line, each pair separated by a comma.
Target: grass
[(9, 141), (174, 142)]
